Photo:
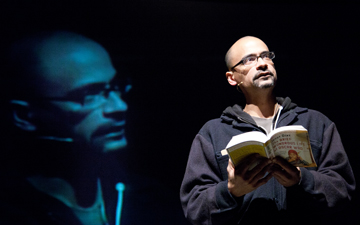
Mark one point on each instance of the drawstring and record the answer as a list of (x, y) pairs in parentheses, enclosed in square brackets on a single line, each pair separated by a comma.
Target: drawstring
[(277, 118), (120, 187)]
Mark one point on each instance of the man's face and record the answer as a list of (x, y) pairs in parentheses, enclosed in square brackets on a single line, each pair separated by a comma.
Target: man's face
[(84, 101), (261, 74)]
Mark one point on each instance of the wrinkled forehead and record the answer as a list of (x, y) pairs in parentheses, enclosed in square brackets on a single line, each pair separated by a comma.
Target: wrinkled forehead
[(65, 67)]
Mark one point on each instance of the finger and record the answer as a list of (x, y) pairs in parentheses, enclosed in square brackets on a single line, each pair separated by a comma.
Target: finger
[(260, 169), (264, 180), (285, 178), (230, 169), (263, 175), (247, 162), (279, 173), (288, 167), (279, 178), (231, 164)]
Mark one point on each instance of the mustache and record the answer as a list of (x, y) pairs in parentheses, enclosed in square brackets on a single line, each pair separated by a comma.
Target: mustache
[(109, 128), (262, 73)]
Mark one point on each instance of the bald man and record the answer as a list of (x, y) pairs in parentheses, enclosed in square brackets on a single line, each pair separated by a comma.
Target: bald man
[(67, 116), (214, 191), (67, 109)]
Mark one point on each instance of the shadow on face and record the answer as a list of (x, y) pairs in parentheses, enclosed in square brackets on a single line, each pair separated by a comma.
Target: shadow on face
[(74, 92)]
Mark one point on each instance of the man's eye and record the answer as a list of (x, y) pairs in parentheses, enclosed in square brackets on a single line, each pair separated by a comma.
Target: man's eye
[(90, 96), (249, 59), (265, 55), (89, 99), (92, 92)]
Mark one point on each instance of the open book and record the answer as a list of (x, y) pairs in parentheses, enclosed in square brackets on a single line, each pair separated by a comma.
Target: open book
[(290, 142)]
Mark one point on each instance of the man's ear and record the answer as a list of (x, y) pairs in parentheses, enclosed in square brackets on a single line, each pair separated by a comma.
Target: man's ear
[(230, 77), (21, 115)]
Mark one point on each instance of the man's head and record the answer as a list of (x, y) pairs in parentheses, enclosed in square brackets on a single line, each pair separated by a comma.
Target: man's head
[(66, 88), (250, 64)]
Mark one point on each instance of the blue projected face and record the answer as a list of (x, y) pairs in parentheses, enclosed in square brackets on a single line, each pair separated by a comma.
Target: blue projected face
[(84, 97)]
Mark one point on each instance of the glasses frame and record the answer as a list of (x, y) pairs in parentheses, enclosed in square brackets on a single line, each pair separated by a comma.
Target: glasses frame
[(116, 85), (272, 54)]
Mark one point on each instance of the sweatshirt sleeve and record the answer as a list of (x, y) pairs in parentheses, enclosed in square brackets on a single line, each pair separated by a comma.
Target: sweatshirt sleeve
[(331, 185), (204, 196)]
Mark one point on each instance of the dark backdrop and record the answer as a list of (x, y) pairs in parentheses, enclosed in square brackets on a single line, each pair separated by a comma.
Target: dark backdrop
[(175, 54)]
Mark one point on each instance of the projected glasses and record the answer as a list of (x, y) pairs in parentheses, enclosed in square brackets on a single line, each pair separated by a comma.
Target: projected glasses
[(93, 95)]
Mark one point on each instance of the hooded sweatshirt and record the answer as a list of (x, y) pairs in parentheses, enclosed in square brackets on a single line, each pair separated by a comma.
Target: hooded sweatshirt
[(322, 191)]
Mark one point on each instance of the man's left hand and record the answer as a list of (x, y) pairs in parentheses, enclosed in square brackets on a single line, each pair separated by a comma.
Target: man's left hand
[(285, 173)]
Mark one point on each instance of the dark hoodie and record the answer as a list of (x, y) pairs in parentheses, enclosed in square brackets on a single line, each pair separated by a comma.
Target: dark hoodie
[(322, 191)]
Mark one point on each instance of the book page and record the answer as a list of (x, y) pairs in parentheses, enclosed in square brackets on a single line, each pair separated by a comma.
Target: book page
[(248, 136), (294, 146), (241, 150), (287, 128), (269, 150)]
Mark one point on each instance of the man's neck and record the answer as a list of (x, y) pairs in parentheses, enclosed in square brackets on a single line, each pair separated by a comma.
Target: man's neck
[(263, 106), (64, 191), (77, 189), (68, 163)]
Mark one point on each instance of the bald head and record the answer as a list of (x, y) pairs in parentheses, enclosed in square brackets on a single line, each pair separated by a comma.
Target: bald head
[(66, 88), (238, 49), (47, 62)]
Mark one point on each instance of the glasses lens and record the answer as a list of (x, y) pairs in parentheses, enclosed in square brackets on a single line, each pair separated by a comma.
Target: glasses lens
[(267, 55), (252, 59), (91, 100), (249, 60), (95, 99), (271, 55)]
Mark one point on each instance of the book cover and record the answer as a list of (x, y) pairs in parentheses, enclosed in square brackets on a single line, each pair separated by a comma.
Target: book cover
[(290, 142)]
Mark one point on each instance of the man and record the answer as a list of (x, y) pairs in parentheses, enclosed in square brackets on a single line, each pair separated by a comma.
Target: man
[(67, 115), (214, 191)]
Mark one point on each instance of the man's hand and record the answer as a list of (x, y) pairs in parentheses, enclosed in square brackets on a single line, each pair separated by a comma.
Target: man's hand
[(244, 179), (285, 173)]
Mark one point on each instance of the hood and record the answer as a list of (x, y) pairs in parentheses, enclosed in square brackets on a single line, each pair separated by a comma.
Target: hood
[(236, 113)]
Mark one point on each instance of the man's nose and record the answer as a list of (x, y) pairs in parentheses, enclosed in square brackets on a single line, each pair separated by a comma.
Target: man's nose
[(114, 103), (261, 63)]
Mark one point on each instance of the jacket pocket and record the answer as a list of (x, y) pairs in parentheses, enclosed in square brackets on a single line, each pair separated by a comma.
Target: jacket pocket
[(222, 161)]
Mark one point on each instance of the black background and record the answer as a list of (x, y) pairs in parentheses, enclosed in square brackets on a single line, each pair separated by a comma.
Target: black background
[(174, 51)]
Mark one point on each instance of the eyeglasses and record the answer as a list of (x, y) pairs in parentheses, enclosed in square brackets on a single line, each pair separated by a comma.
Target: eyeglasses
[(93, 95), (252, 59)]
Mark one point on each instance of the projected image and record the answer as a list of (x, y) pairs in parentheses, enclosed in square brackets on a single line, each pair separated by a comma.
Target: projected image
[(66, 109), (107, 108)]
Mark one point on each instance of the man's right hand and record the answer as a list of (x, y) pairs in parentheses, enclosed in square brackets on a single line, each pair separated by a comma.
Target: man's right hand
[(244, 179)]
